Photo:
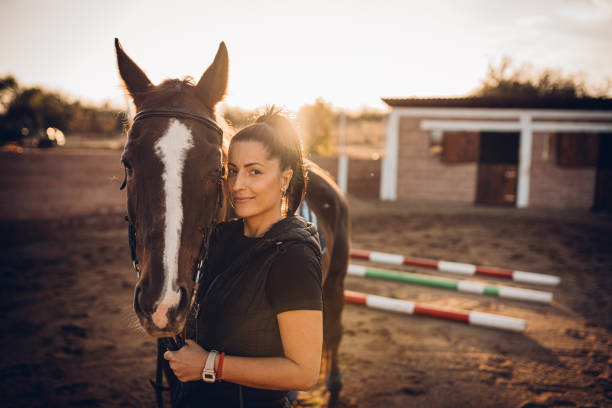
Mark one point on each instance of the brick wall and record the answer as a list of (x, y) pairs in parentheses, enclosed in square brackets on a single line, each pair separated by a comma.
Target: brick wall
[(423, 177), (363, 175), (556, 186)]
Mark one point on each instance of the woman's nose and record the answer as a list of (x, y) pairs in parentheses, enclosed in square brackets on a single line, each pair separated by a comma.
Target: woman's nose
[(237, 182)]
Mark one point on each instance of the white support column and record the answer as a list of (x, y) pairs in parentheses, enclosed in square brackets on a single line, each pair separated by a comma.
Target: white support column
[(524, 164), (388, 177)]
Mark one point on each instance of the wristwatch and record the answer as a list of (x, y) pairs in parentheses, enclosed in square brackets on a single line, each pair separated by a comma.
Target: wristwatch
[(208, 373)]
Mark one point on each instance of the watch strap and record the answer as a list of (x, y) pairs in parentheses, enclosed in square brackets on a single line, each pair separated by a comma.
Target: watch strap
[(208, 373)]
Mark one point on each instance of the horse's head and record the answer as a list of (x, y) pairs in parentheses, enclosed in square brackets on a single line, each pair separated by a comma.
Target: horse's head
[(172, 170)]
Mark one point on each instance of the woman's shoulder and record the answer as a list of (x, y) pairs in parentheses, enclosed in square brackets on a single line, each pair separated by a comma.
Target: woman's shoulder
[(294, 259), (294, 281), (296, 231), (298, 252)]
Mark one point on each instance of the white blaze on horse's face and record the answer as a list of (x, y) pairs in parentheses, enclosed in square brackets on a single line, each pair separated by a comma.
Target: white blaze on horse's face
[(172, 149)]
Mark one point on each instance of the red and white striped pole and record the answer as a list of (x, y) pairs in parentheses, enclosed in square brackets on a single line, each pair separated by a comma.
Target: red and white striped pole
[(460, 315), (458, 268)]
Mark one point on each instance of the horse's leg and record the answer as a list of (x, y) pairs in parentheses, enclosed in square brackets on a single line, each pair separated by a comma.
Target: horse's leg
[(333, 300), (331, 208)]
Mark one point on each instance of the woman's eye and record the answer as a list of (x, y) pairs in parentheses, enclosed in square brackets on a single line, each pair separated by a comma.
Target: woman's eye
[(252, 172)]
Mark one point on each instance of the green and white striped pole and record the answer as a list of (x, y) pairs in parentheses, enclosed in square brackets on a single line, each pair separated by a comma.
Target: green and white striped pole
[(452, 284)]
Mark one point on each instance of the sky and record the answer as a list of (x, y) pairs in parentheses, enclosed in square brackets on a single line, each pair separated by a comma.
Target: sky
[(289, 53)]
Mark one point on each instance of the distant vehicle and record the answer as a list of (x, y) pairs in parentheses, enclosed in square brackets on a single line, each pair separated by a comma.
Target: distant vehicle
[(11, 147), (51, 138)]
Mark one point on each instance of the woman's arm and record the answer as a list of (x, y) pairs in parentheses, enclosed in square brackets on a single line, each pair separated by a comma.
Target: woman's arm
[(301, 333), (302, 336)]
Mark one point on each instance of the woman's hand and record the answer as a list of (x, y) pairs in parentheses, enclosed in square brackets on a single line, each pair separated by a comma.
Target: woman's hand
[(188, 362)]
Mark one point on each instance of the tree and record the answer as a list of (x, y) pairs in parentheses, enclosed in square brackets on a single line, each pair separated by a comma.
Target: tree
[(31, 110), (8, 88), (506, 81), (317, 125), (36, 109)]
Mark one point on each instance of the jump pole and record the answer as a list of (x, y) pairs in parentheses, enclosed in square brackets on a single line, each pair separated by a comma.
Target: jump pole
[(458, 268), (452, 284), (459, 315)]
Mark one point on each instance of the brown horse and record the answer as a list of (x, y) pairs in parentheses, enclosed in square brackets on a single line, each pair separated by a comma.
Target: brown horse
[(172, 158)]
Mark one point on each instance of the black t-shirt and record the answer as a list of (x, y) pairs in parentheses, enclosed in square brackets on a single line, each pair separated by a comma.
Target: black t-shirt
[(293, 282), (294, 278)]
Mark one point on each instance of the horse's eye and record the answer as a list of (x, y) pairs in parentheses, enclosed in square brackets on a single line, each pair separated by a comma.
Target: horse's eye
[(127, 165), (218, 172)]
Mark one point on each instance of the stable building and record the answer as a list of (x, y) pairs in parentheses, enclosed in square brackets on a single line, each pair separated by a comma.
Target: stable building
[(518, 152)]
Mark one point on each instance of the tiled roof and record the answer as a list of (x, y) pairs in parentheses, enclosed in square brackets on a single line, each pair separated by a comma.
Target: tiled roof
[(502, 102)]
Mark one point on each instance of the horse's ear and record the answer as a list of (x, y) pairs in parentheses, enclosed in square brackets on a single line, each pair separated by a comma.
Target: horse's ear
[(213, 83), (134, 78)]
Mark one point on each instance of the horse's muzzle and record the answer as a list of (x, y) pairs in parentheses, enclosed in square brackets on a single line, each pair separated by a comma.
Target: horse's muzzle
[(161, 320)]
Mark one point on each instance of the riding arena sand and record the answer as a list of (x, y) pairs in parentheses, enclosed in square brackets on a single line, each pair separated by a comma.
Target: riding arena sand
[(70, 337)]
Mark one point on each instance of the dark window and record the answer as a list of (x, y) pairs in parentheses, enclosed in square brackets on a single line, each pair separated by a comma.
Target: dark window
[(603, 183), (460, 147), (577, 149), (605, 151), (499, 148)]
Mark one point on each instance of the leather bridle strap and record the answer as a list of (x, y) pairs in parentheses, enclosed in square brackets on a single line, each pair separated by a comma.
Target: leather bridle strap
[(179, 113), (179, 340), (174, 113)]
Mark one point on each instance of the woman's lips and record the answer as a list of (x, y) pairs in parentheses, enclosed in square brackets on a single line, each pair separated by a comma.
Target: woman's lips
[(242, 200)]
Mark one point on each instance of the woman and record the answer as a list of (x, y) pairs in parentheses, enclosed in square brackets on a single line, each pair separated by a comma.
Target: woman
[(260, 302)]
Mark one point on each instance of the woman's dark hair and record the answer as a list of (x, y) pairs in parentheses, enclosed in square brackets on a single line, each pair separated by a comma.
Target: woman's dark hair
[(279, 137)]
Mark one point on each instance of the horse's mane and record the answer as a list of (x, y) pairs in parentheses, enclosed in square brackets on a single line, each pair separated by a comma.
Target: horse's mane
[(313, 167), (171, 88)]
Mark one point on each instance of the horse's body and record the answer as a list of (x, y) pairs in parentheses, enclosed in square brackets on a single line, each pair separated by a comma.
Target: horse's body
[(171, 174)]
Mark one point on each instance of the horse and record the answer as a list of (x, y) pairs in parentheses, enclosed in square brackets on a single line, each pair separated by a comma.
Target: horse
[(174, 160)]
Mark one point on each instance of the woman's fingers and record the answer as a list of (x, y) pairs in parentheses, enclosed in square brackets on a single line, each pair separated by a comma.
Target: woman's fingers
[(184, 362)]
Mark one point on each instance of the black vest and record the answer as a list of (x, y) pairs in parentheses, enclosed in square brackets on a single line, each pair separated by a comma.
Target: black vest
[(233, 312)]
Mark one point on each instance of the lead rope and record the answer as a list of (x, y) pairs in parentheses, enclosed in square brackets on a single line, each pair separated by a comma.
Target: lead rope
[(179, 340)]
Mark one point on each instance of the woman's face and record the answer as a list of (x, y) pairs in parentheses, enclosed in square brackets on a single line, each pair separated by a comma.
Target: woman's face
[(255, 181)]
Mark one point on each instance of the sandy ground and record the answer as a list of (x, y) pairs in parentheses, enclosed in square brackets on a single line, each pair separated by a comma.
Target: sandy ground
[(69, 336)]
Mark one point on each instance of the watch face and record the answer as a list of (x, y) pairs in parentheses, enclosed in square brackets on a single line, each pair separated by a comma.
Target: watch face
[(208, 373)]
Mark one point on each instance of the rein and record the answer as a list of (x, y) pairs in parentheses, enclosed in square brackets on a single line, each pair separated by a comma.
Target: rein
[(179, 341)]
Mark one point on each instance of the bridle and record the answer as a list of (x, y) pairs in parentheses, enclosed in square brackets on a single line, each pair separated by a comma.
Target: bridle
[(179, 341)]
